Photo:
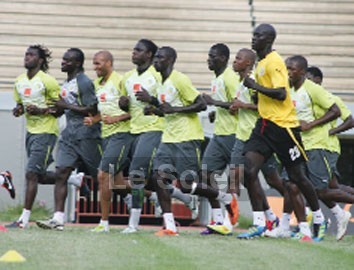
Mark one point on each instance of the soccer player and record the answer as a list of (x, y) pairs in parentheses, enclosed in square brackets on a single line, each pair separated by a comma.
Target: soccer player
[(147, 129), (117, 139), (276, 131), (246, 109), (316, 108), (218, 151), (315, 74), (6, 182), (178, 154), (78, 142), (35, 91), (140, 84)]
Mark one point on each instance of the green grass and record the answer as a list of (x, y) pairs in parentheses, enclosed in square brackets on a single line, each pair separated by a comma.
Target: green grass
[(39, 211), (77, 248)]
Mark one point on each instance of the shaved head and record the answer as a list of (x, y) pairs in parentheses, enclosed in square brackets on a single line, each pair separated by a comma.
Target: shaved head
[(106, 55), (249, 54), (267, 29)]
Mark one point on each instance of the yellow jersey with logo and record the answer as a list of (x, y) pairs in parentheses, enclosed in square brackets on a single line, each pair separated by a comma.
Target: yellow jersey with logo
[(312, 101), (108, 96), (132, 83), (223, 88), (178, 91), (38, 91), (271, 72)]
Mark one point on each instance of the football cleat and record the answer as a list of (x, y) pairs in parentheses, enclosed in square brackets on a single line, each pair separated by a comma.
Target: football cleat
[(342, 225), (17, 225), (319, 231), (100, 229), (8, 185), (220, 229), (129, 230), (232, 209), (253, 232), (50, 224), (302, 237), (166, 232)]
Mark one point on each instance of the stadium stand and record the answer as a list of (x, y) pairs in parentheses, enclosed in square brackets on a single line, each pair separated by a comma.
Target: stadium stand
[(320, 30)]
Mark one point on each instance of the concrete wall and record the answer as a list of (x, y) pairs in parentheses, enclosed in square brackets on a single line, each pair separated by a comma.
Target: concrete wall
[(13, 154)]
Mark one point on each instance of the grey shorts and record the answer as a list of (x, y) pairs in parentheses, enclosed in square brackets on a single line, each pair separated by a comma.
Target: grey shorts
[(318, 168), (332, 158), (72, 152), (144, 151), (217, 153), (238, 159), (115, 151), (179, 160), (39, 148)]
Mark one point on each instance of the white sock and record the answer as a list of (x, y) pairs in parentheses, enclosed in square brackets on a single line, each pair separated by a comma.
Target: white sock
[(128, 200), (2, 179), (217, 215), (25, 216), (153, 197), (285, 221), (104, 223), (305, 228), (134, 218), (318, 217), (223, 197), (76, 179), (337, 211), (183, 197), (227, 222), (59, 216), (270, 215), (259, 218), (169, 222), (307, 210)]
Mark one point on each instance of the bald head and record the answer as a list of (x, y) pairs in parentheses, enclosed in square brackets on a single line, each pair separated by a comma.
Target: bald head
[(105, 55), (103, 63), (268, 30)]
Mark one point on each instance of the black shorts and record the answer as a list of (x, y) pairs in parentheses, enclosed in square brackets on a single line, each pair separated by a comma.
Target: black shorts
[(268, 138)]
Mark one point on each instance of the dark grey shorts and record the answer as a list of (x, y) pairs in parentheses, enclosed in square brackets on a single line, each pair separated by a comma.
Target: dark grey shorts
[(332, 158), (115, 152), (179, 160), (39, 148), (319, 171), (72, 152), (217, 153), (145, 147)]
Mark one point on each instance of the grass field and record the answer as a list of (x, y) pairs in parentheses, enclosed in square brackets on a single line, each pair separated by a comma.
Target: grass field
[(78, 248)]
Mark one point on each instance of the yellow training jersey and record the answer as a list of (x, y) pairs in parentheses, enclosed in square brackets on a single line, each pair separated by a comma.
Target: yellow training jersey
[(38, 91), (223, 88), (132, 82), (178, 91), (108, 96), (271, 72)]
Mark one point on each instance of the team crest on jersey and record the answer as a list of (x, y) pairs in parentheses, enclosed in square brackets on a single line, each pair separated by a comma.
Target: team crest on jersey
[(261, 71), (136, 87), (27, 92), (103, 97)]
